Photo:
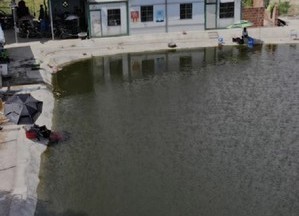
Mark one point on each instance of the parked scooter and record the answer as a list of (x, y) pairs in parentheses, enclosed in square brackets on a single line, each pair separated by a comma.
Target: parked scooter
[(68, 28), (28, 27)]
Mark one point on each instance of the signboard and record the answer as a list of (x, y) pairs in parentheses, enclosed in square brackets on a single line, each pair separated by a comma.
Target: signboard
[(160, 16), (135, 16)]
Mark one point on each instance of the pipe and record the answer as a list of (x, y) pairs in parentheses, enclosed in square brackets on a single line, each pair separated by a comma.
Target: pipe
[(13, 7), (51, 19), (166, 15)]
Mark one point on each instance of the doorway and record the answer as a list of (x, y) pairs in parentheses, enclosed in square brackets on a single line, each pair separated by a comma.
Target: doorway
[(96, 28), (210, 14)]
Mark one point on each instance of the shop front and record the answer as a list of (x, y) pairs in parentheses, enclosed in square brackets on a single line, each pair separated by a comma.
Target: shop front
[(68, 18), (107, 18)]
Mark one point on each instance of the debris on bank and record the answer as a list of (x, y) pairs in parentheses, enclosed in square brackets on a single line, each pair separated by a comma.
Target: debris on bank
[(172, 45), (44, 135)]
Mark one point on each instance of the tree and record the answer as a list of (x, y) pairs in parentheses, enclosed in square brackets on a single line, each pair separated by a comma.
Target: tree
[(247, 3)]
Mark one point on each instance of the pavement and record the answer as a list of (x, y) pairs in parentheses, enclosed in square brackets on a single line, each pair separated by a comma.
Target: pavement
[(20, 157)]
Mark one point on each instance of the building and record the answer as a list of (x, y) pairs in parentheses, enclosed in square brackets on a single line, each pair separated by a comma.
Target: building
[(106, 18)]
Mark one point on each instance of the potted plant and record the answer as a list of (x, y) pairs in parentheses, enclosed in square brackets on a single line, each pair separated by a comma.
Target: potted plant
[(4, 58)]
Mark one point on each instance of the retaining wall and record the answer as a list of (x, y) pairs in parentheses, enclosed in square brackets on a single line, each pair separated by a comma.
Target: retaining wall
[(255, 15)]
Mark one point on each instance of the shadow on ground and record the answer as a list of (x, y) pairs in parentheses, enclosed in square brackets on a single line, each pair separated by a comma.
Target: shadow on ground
[(42, 210), (5, 201), (11, 38), (22, 71), (14, 205)]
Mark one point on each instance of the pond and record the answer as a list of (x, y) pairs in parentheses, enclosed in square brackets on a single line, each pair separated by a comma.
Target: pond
[(208, 131)]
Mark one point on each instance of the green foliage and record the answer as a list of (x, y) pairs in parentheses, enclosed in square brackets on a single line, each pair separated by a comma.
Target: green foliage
[(4, 56), (33, 6), (266, 3), (270, 9), (283, 7), (247, 3), (5, 6)]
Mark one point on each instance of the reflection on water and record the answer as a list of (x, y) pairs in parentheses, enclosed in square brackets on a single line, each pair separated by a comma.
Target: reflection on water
[(197, 132), (78, 79)]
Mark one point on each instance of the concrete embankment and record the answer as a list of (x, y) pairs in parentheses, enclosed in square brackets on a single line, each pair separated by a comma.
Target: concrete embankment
[(57, 54), (20, 157)]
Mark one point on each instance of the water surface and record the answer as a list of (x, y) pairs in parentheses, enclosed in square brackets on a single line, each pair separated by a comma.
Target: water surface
[(200, 132)]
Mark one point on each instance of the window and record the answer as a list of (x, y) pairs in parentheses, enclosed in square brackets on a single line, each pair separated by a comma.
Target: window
[(147, 13), (227, 10), (186, 11), (114, 17)]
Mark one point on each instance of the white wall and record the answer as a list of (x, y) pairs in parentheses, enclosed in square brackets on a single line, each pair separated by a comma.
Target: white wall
[(198, 16), (172, 11), (112, 30), (147, 26), (166, 18), (224, 22), (136, 26)]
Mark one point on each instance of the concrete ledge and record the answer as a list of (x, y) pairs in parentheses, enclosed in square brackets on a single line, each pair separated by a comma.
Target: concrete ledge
[(55, 54)]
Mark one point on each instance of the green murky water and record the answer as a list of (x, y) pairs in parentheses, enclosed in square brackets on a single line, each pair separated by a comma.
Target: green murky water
[(200, 132)]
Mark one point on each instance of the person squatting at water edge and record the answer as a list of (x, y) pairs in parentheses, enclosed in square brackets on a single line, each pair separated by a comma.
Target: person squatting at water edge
[(244, 33), (243, 39)]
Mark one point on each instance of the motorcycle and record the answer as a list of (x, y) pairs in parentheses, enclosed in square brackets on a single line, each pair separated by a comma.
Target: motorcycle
[(29, 28), (68, 28)]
